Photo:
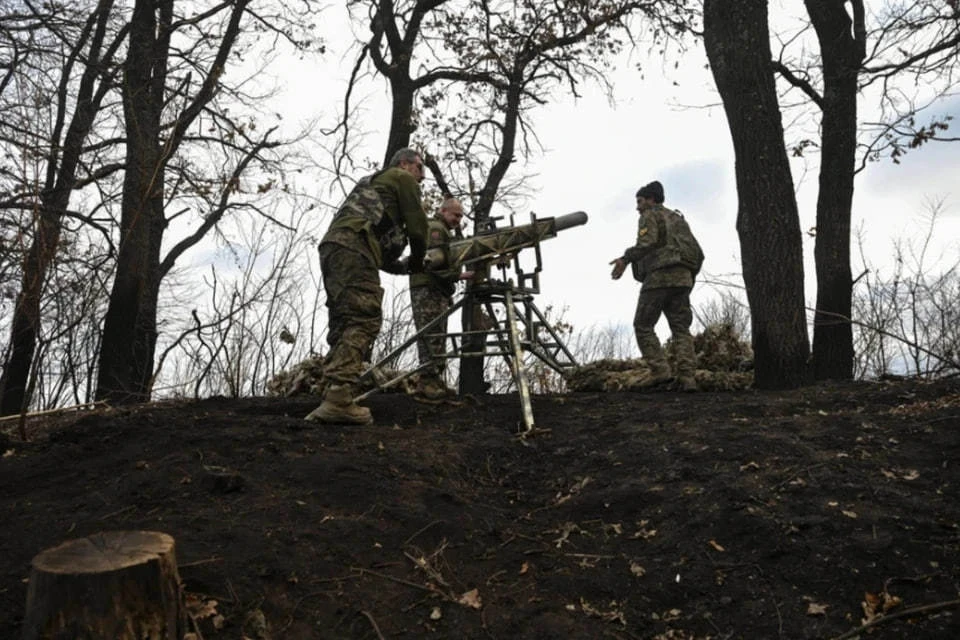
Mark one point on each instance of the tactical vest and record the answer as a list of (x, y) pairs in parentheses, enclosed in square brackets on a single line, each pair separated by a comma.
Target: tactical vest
[(364, 203), (676, 247)]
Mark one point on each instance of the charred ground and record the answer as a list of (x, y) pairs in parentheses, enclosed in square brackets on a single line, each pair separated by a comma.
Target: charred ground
[(632, 515)]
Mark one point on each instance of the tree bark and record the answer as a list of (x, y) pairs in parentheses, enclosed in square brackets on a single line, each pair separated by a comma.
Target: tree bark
[(129, 330), (116, 585), (130, 327), (62, 164), (842, 53), (737, 41)]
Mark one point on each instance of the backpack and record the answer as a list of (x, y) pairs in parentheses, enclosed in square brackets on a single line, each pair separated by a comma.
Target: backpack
[(364, 202), (682, 240), (677, 247)]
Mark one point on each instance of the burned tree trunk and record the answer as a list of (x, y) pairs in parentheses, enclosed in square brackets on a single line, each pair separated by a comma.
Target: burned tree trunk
[(738, 47), (116, 585), (842, 48)]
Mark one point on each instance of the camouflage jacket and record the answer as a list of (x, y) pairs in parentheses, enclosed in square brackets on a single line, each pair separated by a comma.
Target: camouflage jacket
[(653, 259), (379, 216), (443, 281)]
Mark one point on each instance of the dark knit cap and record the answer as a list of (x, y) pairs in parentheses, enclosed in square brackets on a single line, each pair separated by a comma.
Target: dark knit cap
[(653, 190)]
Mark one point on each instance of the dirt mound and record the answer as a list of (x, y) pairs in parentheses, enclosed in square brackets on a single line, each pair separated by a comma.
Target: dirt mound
[(747, 514)]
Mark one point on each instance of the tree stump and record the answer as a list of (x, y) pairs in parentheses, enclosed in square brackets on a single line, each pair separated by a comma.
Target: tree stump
[(114, 585)]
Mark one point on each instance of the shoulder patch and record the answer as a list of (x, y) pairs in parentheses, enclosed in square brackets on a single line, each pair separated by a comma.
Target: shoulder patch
[(436, 236), (643, 232)]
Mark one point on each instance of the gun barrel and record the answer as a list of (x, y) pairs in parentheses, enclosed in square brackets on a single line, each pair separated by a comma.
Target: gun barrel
[(502, 241), (569, 220)]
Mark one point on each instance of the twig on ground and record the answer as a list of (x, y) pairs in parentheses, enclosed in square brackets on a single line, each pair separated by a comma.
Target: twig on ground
[(421, 530), (48, 412), (387, 576), (926, 608), (793, 475), (196, 563), (373, 623)]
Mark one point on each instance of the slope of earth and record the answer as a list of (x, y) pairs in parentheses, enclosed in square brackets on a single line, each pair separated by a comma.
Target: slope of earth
[(758, 515)]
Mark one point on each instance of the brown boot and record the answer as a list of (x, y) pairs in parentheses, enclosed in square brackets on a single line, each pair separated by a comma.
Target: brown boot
[(338, 407), (432, 388), (659, 373)]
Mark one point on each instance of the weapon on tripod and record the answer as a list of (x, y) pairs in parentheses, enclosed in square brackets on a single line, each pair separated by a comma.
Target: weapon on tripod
[(497, 243), (524, 329)]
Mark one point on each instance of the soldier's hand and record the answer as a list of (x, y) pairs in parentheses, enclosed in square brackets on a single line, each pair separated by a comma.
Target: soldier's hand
[(619, 266)]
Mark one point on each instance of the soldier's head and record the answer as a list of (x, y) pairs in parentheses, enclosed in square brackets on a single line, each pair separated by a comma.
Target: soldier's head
[(410, 161), (649, 195), (451, 213)]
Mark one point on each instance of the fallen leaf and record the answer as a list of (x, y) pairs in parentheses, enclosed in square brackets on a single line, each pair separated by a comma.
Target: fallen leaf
[(753, 466), (524, 568), (199, 607), (637, 569), (435, 613), (850, 514), (816, 609), (471, 599), (911, 474), (613, 615), (642, 531), (875, 605), (716, 545)]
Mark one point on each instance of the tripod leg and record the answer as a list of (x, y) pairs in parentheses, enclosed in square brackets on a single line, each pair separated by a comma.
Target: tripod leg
[(403, 347), (517, 365)]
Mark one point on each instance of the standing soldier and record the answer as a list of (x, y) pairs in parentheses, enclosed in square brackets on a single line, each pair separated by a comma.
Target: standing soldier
[(431, 294), (666, 259), (368, 232)]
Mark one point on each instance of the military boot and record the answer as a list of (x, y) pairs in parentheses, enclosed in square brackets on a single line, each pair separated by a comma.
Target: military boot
[(432, 388), (659, 373), (338, 407)]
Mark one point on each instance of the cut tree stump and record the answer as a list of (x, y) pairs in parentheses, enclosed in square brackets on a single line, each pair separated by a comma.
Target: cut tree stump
[(114, 585)]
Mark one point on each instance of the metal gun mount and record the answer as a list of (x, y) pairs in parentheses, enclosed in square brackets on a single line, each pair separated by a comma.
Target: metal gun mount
[(521, 328)]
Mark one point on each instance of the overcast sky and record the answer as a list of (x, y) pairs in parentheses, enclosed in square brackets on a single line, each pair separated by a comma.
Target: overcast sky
[(596, 155)]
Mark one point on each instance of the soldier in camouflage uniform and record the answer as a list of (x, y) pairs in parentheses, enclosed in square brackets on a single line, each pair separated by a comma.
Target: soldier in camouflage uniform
[(666, 259), (367, 234), (431, 294)]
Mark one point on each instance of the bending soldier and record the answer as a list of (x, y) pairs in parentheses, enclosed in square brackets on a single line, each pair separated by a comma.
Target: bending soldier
[(666, 259), (368, 232), (431, 294)]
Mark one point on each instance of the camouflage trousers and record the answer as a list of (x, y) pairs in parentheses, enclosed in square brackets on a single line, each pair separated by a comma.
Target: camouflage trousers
[(428, 304), (354, 299), (674, 303)]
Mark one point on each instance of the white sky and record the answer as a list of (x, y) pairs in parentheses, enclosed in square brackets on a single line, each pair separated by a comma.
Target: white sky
[(597, 155)]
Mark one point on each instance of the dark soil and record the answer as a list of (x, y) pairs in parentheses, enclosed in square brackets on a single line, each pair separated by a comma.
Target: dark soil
[(661, 515)]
